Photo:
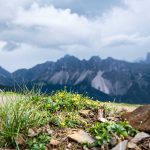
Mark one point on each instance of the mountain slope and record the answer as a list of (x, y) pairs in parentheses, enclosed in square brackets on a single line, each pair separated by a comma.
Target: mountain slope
[(124, 81), (146, 60), (5, 77)]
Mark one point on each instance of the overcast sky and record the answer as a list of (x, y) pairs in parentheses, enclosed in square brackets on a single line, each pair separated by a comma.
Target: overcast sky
[(35, 31)]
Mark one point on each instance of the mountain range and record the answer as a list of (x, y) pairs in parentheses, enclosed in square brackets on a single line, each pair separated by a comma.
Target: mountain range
[(103, 79), (146, 60)]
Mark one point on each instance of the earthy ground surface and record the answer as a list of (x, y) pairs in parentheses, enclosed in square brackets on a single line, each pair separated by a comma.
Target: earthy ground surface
[(66, 121)]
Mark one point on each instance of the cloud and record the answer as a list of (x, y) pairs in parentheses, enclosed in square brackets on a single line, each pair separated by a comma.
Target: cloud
[(50, 27), (2, 44), (89, 8), (8, 8), (10, 46)]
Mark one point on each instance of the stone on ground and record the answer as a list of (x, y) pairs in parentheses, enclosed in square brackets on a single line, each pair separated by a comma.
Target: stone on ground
[(54, 142), (121, 146), (140, 136), (32, 133), (131, 145), (85, 113), (140, 118), (81, 136), (100, 116)]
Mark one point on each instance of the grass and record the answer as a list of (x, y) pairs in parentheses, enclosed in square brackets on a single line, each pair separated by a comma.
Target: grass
[(60, 111), (16, 118)]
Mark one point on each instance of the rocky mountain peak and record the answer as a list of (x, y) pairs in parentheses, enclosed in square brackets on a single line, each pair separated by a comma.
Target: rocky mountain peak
[(148, 58), (67, 59), (95, 59)]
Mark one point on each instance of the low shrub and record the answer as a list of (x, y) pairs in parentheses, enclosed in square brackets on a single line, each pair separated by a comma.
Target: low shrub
[(103, 132)]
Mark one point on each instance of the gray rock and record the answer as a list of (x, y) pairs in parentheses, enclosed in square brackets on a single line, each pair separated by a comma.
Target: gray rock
[(113, 141), (102, 120), (132, 145), (49, 131), (100, 114), (32, 133), (139, 137), (54, 142), (69, 145), (121, 146), (81, 136)]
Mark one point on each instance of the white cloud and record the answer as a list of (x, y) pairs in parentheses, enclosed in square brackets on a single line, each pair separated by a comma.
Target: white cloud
[(8, 8), (121, 32), (57, 25), (26, 56), (2, 44), (48, 26)]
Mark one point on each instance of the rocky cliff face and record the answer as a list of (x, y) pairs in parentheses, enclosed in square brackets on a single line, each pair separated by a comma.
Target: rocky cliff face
[(120, 79), (147, 58)]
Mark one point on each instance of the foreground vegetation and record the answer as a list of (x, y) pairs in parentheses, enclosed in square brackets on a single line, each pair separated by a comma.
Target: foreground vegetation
[(33, 119)]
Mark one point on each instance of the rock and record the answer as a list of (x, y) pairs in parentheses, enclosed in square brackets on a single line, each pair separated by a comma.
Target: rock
[(36, 131), (132, 145), (49, 131), (139, 137), (113, 141), (81, 136), (139, 118), (69, 145), (103, 120), (54, 142), (121, 146), (32, 133), (100, 114), (63, 139), (144, 144), (85, 113)]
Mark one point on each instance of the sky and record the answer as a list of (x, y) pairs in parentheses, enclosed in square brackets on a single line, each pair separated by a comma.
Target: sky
[(36, 31)]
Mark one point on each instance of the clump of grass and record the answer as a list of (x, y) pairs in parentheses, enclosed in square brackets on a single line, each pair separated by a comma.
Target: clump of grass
[(109, 111), (16, 118)]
